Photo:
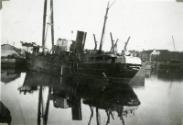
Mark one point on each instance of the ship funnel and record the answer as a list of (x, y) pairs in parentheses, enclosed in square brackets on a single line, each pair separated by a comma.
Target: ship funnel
[(80, 41)]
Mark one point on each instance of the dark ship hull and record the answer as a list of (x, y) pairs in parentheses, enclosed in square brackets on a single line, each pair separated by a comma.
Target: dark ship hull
[(112, 66), (44, 63), (12, 62), (99, 63), (113, 70)]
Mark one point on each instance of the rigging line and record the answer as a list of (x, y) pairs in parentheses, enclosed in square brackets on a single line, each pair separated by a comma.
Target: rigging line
[(112, 3)]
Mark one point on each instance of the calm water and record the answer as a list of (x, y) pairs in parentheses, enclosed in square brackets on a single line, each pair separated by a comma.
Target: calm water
[(40, 99)]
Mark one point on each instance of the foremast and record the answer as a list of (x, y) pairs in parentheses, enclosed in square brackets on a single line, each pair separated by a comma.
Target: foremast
[(103, 29), (44, 24)]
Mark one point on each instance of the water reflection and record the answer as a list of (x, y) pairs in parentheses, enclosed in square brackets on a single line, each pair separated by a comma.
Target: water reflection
[(71, 90), (42, 114), (169, 75), (35, 79), (112, 99), (165, 74), (9, 74), (75, 98)]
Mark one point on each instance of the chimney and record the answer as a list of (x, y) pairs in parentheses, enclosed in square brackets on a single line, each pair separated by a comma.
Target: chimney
[(80, 41)]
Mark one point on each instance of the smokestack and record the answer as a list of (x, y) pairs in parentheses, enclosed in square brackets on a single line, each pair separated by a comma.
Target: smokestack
[(76, 109), (80, 41)]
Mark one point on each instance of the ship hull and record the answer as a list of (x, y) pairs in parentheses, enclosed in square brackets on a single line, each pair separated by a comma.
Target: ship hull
[(12, 62), (44, 63), (113, 71)]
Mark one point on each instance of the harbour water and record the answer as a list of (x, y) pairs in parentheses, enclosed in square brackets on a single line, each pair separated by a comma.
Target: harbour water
[(37, 99)]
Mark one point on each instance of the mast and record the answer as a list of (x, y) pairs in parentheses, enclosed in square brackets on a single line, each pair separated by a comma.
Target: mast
[(95, 41), (115, 46), (103, 30), (52, 23), (112, 43), (44, 25), (173, 43), (125, 47)]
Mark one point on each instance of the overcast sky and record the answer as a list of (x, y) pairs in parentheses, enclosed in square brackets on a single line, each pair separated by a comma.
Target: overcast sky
[(150, 23)]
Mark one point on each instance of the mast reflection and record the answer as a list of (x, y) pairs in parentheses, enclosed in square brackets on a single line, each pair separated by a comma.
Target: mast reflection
[(42, 114)]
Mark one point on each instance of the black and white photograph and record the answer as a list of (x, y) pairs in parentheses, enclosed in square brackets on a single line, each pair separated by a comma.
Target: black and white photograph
[(91, 62)]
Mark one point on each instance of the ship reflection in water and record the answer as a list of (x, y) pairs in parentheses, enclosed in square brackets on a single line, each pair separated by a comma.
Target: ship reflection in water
[(71, 90), (34, 98), (8, 75)]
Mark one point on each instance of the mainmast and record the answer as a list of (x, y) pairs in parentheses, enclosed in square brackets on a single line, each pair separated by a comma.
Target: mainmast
[(103, 30), (44, 25), (52, 23)]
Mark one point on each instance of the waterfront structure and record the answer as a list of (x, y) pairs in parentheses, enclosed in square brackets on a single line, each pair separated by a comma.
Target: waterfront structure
[(11, 56)]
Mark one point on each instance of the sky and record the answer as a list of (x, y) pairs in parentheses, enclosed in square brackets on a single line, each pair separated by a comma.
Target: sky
[(150, 23)]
